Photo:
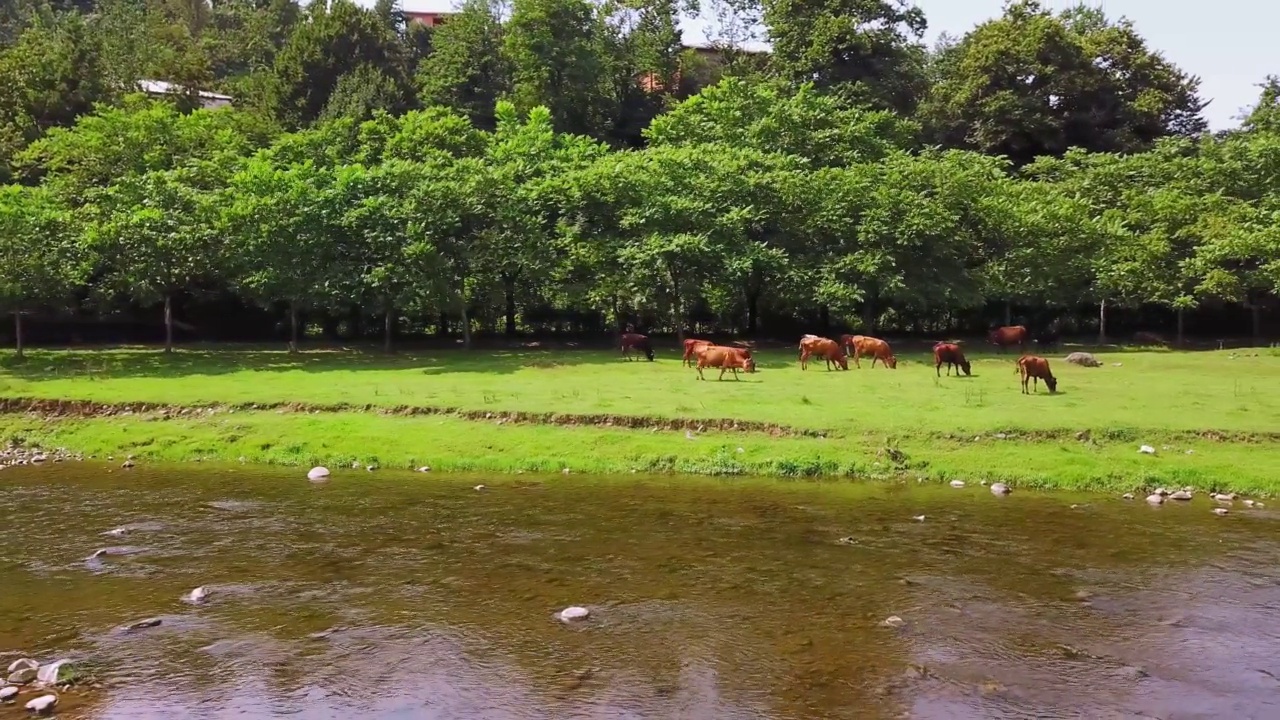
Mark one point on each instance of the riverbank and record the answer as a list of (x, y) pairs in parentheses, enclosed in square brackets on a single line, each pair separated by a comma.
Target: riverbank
[(1213, 419)]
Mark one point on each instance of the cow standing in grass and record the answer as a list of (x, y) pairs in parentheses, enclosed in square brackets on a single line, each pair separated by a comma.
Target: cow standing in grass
[(635, 342), (875, 348), (691, 348), (1036, 369), (1008, 336), (952, 355), (827, 349), (725, 358)]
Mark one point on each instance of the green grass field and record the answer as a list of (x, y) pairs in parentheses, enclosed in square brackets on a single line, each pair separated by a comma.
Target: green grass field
[(1222, 406)]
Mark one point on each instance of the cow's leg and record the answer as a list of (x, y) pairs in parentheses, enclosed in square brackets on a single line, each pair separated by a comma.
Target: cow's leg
[(700, 377), (722, 374)]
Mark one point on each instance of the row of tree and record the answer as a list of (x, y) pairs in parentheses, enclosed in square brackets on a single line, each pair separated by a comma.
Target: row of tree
[(749, 199), (1026, 84)]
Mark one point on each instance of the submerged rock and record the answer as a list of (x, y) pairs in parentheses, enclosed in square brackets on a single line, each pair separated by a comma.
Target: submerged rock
[(478, 488), (143, 624), (893, 621), (8, 693), (1127, 496), (196, 596), (1220, 511), (318, 473), (1224, 497), (957, 483), (43, 704), (1000, 489), (573, 613), (127, 464), (1155, 498)]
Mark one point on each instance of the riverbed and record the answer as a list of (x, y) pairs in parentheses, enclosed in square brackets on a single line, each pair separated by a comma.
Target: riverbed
[(400, 595)]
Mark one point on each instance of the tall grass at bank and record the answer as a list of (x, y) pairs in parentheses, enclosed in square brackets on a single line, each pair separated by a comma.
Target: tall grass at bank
[(338, 440), (1134, 393)]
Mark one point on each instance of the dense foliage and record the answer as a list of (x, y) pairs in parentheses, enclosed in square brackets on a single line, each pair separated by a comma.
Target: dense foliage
[(569, 165)]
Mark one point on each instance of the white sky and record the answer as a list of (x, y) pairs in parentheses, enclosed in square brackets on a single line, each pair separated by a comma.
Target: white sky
[(1230, 44)]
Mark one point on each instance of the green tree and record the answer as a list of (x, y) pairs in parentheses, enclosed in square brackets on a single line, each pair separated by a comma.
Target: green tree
[(863, 51), (1032, 83), (466, 70), (41, 260)]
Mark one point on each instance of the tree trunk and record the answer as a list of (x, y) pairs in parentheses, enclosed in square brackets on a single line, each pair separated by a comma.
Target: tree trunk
[(753, 312), (466, 329), (387, 324), (168, 324), (677, 306), (17, 331), (1181, 324), (355, 322), (1102, 322), (511, 307), (1008, 313), (443, 330), (1256, 310), (869, 317), (293, 327)]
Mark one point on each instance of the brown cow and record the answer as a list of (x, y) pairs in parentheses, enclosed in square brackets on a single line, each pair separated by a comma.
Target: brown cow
[(691, 348), (1036, 369), (1003, 337), (825, 348), (952, 355), (635, 341), (725, 358), (876, 348)]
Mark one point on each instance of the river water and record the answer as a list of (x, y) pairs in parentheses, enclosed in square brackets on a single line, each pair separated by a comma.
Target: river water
[(709, 599)]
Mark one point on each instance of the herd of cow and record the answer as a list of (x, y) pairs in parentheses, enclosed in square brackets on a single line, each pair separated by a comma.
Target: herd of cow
[(705, 354)]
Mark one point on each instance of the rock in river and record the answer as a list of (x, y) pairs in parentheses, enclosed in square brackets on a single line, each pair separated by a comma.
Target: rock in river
[(59, 671), (571, 614), (1155, 499), (1180, 495), (318, 473), (957, 483), (8, 693), (1127, 496), (143, 624), (196, 596), (23, 676), (23, 664), (1220, 511), (43, 704), (1000, 489)]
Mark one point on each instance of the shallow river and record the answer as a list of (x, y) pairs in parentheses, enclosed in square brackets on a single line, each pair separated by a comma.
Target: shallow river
[(709, 599)]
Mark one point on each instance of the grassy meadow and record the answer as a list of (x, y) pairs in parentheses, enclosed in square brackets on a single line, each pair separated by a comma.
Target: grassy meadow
[(1223, 407)]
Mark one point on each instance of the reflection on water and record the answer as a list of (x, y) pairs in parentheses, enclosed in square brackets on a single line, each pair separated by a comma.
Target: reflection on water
[(709, 599)]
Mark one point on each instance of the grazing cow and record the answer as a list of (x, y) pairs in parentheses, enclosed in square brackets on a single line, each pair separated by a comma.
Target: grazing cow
[(1036, 369), (952, 355), (691, 348), (825, 348), (876, 348), (1148, 338), (725, 358), (1009, 335), (632, 342)]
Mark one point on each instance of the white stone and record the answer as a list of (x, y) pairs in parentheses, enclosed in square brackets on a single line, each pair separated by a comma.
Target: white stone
[(1000, 489), (1147, 450), (478, 488), (42, 704), (957, 483), (8, 693), (425, 468), (52, 673), (892, 621), (318, 473), (570, 614), (1220, 511), (1180, 495), (23, 664), (1249, 503), (1127, 496), (196, 596), (1155, 499), (23, 676)]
